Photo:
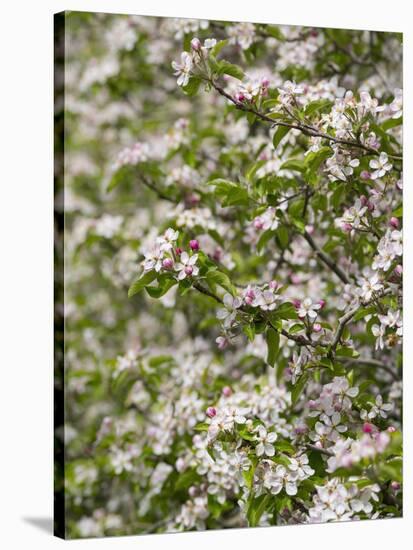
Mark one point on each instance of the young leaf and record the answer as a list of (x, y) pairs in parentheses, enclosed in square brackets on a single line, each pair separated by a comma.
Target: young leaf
[(273, 344), (140, 283), (279, 134)]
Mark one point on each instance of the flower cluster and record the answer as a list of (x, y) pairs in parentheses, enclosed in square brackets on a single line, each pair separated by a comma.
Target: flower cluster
[(233, 284)]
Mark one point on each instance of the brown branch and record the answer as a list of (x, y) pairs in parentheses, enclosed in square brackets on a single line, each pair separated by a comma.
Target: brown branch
[(326, 452), (326, 259), (306, 129), (207, 292), (350, 314), (374, 363), (153, 187)]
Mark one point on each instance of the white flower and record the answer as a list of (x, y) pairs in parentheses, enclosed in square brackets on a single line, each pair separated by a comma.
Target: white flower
[(369, 286), (396, 106), (300, 465), (392, 320), (288, 91), (153, 259), (380, 166), (379, 332), (275, 480), (186, 266), (266, 440), (168, 240), (307, 308), (266, 300), (381, 408), (183, 69), (209, 43), (228, 314), (242, 34)]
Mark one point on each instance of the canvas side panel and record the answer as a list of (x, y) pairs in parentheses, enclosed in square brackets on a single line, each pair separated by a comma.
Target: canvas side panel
[(59, 393)]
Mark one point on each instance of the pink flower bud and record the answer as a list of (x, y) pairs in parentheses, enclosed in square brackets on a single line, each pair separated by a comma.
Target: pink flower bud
[(312, 404), (211, 412), (391, 429), (395, 485), (258, 223), (394, 222), (227, 391), (347, 227), (322, 303), (194, 244), (196, 44), (178, 251), (363, 200), (296, 303), (167, 263), (309, 229), (317, 327), (189, 269), (319, 444), (249, 296), (240, 97), (300, 430), (265, 82), (371, 206), (192, 200), (365, 175), (217, 255), (399, 269), (368, 428), (222, 342), (273, 285)]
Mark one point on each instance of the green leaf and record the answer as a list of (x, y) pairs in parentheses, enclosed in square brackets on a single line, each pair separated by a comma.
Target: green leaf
[(124, 173), (230, 193), (298, 388), (296, 165), (162, 288), (193, 85), (140, 283), (279, 134), (273, 343), (318, 106), (218, 47), (313, 162), (216, 277), (275, 32), (286, 311), (282, 235), (256, 508), (225, 67), (264, 238), (249, 330)]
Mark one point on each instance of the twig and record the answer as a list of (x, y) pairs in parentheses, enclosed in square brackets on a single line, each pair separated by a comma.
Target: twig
[(319, 450), (153, 187), (350, 314), (304, 128), (326, 259), (372, 363)]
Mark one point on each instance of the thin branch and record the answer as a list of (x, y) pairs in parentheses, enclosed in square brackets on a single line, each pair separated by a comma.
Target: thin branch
[(350, 314), (153, 187), (326, 259), (304, 128), (207, 292), (374, 363), (319, 450)]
